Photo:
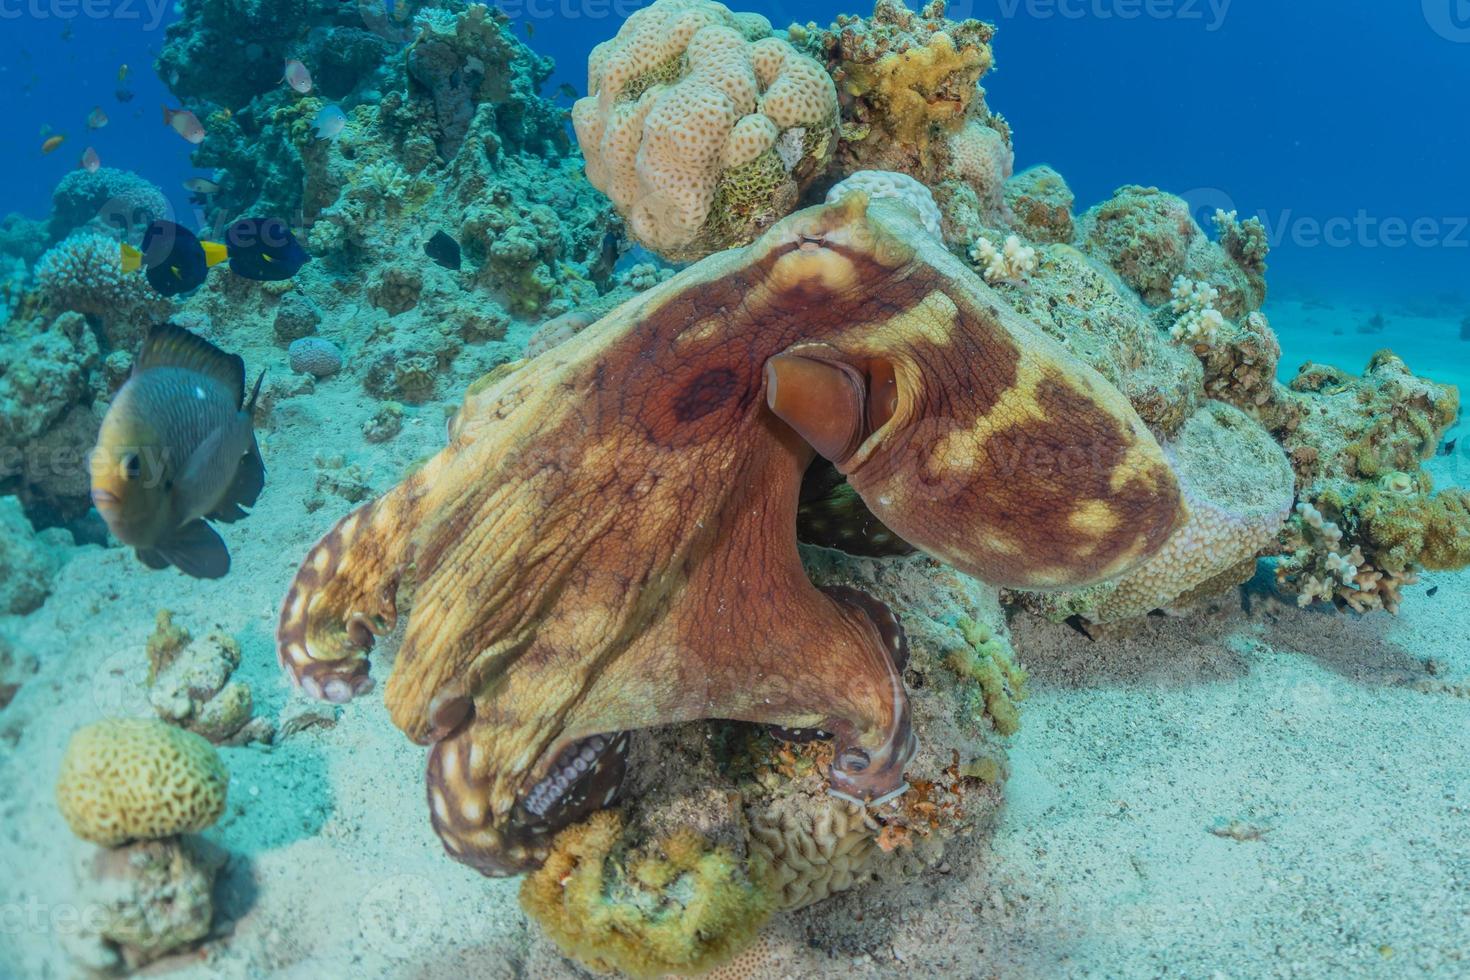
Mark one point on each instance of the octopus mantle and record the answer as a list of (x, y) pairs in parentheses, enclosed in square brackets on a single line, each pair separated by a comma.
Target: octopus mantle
[(608, 541)]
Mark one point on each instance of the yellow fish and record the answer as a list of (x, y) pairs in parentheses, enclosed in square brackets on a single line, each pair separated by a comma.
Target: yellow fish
[(177, 448)]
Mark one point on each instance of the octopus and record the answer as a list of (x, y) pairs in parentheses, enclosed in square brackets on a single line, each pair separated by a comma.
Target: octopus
[(608, 541)]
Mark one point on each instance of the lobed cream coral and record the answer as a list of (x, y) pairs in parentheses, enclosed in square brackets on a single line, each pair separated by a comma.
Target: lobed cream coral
[(1011, 263), (701, 127), (132, 779)]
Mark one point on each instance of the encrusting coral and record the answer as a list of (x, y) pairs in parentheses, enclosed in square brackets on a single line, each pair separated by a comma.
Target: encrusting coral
[(128, 779), (701, 127), (675, 905)]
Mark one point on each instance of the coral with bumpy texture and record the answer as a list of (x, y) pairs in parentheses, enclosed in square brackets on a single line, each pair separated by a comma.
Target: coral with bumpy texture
[(1145, 235), (701, 127), (42, 377), (148, 899), (1041, 203), (1239, 488), (679, 904), (84, 274), (189, 681), (119, 201), (316, 356), (886, 184), (128, 779), (910, 78)]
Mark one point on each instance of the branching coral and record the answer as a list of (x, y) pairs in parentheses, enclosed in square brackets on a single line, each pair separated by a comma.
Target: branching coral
[(84, 274), (1012, 263), (1199, 323), (701, 127)]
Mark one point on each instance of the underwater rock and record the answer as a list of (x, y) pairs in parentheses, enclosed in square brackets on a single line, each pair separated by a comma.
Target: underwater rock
[(144, 900), (189, 681), (1041, 204), (297, 316), (28, 560), (128, 779), (316, 356), (701, 127)]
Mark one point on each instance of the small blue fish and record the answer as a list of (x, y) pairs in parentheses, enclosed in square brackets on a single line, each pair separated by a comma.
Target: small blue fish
[(330, 122)]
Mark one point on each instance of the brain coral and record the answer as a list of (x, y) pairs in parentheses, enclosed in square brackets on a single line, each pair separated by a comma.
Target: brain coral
[(701, 127), (126, 779)]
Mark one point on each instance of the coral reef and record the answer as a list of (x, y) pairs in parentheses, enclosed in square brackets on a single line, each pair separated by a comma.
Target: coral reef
[(1041, 205), (48, 382), (84, 274), (701, 127), (912, 103), (107, 200), (128, 779), (189, 681), (1369, 518)]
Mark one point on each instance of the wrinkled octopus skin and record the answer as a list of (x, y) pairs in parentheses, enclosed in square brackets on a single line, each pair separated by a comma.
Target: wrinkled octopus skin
[(608, 541)]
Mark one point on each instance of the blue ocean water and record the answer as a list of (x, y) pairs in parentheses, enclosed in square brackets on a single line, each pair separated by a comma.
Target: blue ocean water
[(1341, 124)]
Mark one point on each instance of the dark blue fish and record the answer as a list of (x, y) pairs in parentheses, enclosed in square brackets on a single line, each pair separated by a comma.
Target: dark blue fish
[(174, 257), (264, 249), (443, 250)]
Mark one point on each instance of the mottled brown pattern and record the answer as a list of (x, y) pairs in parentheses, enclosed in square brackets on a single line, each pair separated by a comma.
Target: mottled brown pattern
[(608, 541)]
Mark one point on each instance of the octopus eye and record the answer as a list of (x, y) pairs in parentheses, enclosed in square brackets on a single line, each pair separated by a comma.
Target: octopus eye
[(852, 760), (832, 405)]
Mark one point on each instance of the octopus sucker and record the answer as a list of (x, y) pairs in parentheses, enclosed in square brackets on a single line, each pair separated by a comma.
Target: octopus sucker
[(609, 542)]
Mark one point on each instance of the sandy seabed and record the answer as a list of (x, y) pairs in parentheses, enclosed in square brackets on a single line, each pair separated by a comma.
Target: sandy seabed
[(1254, 791)]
